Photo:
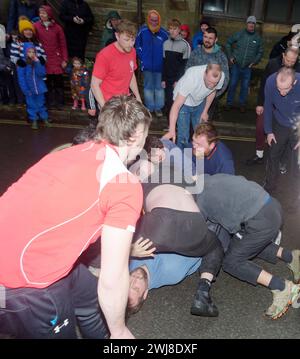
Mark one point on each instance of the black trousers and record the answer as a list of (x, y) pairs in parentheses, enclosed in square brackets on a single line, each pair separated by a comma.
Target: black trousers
[(55, 94), (184, 233), (254, 240), (286, 138), (52, 312)]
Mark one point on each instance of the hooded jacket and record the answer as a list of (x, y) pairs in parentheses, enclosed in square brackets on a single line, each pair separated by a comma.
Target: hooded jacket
[(149, 45), (108, 34), (31, 77), (53, 41)]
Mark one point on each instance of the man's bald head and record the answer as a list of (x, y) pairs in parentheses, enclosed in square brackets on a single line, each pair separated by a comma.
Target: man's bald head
[(212, 75), (285, 80)]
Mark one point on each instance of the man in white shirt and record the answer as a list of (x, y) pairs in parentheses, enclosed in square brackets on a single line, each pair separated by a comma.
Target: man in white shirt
[(197, 84)]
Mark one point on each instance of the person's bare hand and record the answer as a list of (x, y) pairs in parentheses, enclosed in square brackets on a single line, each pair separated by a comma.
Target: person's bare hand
[(142, 248), (271, 138), (92, 112), (170, 135), (259, 110)]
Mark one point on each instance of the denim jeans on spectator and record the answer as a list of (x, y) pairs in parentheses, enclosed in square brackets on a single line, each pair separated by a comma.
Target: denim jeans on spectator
[(154, 95), (237, 73), (186, 116)]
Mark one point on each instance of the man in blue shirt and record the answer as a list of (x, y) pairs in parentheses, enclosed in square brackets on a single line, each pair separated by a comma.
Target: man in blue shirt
[(281, 111), (217, 156)]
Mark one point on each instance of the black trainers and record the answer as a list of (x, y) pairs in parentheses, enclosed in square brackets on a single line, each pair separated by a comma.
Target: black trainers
[(203, 305), (255, 161)]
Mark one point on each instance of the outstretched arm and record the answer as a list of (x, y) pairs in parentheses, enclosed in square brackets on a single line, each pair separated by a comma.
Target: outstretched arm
[(113, 284)]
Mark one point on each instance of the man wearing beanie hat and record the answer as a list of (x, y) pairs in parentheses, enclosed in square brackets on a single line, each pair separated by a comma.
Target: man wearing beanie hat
[(149, 48), (244, 50), (108, 35)]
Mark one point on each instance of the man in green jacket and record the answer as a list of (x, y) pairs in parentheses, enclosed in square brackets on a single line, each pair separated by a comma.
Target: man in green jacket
[(108, 35), (244, 49)]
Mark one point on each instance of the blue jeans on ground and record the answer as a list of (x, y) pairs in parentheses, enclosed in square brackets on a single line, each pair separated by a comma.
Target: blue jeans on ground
[(154, 94), (236, 74), (186, 116)]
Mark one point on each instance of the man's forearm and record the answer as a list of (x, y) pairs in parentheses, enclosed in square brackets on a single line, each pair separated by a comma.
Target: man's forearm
[(134, 88), (173, 118), (209, 101), (95, 86), (113, 300)]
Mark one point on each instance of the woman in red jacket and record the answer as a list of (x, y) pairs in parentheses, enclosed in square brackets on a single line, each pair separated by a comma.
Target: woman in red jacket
[(52, 37)]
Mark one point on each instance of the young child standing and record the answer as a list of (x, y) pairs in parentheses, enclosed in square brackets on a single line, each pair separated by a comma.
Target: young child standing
[(176, 52), (79, 83), (31, 81)]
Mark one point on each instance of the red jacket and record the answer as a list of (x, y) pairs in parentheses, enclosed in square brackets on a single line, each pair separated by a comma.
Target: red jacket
[(54, 43)]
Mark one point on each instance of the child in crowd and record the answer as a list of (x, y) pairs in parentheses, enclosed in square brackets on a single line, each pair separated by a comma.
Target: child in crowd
[(79, 83), (185, 32), (33, 86), (176, 52)]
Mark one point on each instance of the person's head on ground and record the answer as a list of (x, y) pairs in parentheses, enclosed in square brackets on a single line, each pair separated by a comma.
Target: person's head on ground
[(138, 290), (113, 19), (204, 25), (185, 32), (210, 37), (174, 28), (285, 80), (205, 138), (212, 75), (77, 63), (124, 122), (251, 23), (125, 35), (153, 21), (155, 149), (290, 57)]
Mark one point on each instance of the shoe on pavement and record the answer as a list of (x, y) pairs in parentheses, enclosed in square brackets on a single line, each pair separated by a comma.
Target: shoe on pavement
[(255, 161), (243, 109), (34, 125), (203, 305), (282, 299), (294, 266), (158, 113), (47, 123), (282, 168)]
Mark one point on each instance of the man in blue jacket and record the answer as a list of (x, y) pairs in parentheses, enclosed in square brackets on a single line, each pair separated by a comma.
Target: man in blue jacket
[(149, 48), (281, 116)]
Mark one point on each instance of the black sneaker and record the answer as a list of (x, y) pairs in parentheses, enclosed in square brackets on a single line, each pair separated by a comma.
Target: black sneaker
[(203, 305), (255, 161)]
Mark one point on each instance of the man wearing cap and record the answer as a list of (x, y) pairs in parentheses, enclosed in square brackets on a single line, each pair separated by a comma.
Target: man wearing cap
[(108, 35), (286, 41), (244, 49)]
